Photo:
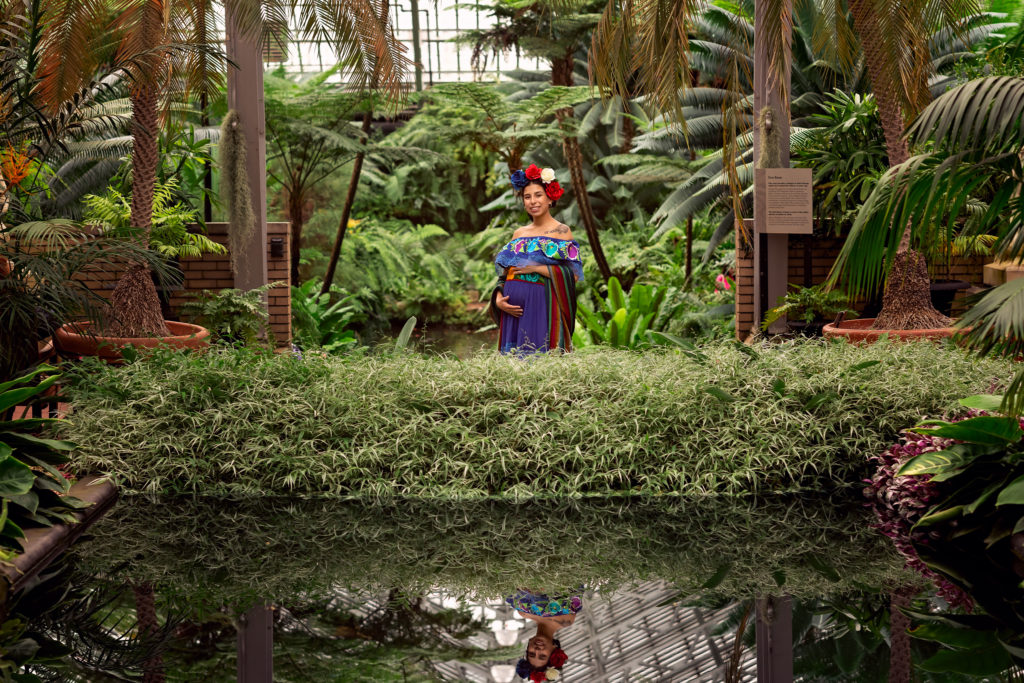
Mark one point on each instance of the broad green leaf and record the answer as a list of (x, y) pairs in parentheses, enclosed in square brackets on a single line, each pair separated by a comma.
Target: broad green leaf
[(16, 478), (823, 568), (719, 576), (989, 402), (954, 636), (719, 394), (14, 397), (1013, 494), (403, 337), (863, 366), (972, 507), (4, 386), (615, 298), (987, 661), (940, 516), (988, 430), (931, 463), (29, 501)]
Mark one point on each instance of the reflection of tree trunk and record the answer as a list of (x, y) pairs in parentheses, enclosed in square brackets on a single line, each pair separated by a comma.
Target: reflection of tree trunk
[(561, 74), (907, 301), (899, 647), (732, 675), (346, 211), (295, 208), (145, 612)]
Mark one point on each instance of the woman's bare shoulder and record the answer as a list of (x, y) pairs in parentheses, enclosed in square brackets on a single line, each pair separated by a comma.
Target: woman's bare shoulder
[(522, 232), (562, 232)]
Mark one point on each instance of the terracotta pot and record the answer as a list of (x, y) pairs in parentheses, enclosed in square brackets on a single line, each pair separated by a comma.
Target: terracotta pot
[(75, 338), (859, 332), (6, 266)]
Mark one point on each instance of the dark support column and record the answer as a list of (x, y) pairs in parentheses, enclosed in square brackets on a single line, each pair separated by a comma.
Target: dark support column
[(417, 52), (775, 639), (245, 95), (256, 645), (771, 252)]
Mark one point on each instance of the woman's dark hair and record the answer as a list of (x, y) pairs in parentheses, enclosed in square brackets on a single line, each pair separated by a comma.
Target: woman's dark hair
[(524, 669)]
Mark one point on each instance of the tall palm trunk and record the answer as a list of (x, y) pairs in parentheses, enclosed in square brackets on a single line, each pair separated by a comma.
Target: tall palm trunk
[(296, 204), (135, 304), (906, 304), (561, 74)]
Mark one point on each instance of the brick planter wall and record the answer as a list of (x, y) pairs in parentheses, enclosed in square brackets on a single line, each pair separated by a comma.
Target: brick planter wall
[(810, 260), (213, 271)]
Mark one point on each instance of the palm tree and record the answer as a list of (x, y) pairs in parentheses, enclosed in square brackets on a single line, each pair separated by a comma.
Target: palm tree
[(976, 135), (721, 37), (647, 44), (146, 31), (545, 31)]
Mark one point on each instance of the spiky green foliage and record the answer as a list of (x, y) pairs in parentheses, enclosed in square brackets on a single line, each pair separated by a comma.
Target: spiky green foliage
[(231, 315), (205, 553), (718, 419), (976, 135), (722, 49), (170, 234), (53, 264)]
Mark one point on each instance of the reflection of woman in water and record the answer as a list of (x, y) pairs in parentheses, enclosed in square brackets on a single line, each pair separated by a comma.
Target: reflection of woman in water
[(535, 304), (544, 654)]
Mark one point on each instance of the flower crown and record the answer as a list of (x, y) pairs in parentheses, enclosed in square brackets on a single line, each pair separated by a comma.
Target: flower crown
[(551, 672), (521, 178)]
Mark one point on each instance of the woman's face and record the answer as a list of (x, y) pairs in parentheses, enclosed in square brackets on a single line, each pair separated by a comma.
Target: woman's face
[(535, 199), (538, 651)]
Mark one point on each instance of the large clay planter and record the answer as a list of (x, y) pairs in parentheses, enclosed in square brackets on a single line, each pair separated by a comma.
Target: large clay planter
[(859, 332), (74, 338)]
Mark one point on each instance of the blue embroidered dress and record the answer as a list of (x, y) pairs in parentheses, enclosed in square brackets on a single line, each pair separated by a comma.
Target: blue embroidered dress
[(541, 605), (548, 303)]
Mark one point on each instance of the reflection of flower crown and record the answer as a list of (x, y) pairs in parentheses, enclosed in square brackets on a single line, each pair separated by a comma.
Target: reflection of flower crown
[(521, 178), (551, 672)]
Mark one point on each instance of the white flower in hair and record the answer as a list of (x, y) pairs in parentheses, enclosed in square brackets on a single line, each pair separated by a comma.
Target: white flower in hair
[(547, 175)]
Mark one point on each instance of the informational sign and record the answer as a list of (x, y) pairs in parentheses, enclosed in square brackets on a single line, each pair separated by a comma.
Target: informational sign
[(783, 201)]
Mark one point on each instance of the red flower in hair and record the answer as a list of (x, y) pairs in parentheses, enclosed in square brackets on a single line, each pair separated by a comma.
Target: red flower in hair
[(554, 190), (532, 172), (558, 658), (539, 676)]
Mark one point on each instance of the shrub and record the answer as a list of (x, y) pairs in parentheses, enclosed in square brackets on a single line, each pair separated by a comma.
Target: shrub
[(722, 419), (231, 315)]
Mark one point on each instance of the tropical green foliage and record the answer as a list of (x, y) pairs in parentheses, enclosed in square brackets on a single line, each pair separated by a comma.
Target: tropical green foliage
[(231, 315), (624, 320), (170, 234), (716, 419), (319, 323), (33, 491), (961, 186), (974, 533), (809, 304), (51, 264)]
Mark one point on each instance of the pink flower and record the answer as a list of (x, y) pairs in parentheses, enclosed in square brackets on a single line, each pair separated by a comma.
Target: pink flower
[(722, 281)]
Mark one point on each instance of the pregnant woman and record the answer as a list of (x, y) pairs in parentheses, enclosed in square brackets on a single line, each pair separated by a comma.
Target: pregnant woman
[(544, 654), (534, 306)]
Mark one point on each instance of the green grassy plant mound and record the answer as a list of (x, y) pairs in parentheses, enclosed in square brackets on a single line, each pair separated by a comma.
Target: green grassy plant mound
[(722, 419), (204, 553)]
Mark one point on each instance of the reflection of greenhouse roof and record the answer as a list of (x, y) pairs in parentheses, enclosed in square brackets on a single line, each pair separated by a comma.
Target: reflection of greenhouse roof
[(630, 636)]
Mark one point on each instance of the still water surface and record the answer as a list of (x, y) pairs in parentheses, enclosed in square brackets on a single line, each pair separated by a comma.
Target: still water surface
[(651, 590)]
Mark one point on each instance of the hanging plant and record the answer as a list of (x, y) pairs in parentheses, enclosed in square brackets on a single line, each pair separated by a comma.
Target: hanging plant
[(235, 186)]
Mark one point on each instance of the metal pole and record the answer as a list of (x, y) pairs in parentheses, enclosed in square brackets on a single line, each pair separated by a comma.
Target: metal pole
[(774, 632), (771, 252), (417, 54), (256, 645)]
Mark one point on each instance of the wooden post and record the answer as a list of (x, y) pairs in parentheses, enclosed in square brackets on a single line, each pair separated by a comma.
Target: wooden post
[(774, 632), (245, 95), (256, 645), (771, 252)]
